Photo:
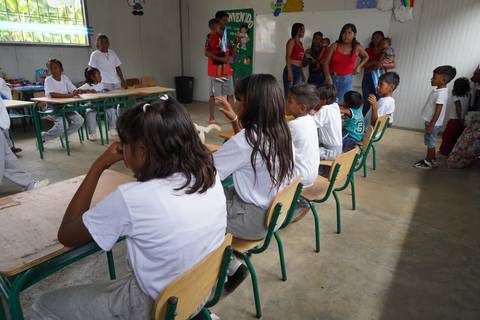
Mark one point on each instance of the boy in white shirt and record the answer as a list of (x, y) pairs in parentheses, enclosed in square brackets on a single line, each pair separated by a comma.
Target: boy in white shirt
[(301, 99), (58, 85), (107, 61), (433, 112), (329, 124), (387, 83)]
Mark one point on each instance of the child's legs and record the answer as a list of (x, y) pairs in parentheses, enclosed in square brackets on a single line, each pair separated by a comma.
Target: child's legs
[(112, 116), (55, 131), (10, 166), (119, 299), (450, 136), (75, 121), (430, 141), (91, 120), (348, 143)]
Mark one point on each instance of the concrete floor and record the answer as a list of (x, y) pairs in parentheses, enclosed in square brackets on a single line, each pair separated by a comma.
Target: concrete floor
[(410, 251)]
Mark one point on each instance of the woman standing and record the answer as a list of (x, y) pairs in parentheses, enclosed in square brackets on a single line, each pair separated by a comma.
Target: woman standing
[(313, 58), (339, 66), (293, 72), (374, 57)]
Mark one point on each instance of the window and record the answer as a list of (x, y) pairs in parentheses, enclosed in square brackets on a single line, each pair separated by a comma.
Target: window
[(51, 22)]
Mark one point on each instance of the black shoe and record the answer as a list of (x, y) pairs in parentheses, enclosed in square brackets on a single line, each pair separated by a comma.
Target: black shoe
[(236, 279), (16, 150)]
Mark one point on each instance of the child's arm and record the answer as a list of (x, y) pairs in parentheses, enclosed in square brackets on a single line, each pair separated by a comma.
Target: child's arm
[(72, 231), (64, 95), (373, 102), (289, 50), (436, 115), (346, 111), (227, 110), (458, 110), (326, 65), (120, 75)]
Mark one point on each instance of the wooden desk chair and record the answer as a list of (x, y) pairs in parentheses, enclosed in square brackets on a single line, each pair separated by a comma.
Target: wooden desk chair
[(339, 177), (148, 81), (226, 134), (133, 82), (277, 214), (381, 131), (188, 292)]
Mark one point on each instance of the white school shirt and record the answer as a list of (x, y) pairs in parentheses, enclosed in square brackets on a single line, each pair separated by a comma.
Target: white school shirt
[(437, 96), (166, 231), (307, 153), (107, 63), (5, 91), (91, 86), (4, 118), (329, 124), (464, 102), (63, 86), (233, 158), (386, 105)]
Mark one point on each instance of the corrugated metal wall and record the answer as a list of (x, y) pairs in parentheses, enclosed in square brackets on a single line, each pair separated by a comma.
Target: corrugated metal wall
[(442, 32)]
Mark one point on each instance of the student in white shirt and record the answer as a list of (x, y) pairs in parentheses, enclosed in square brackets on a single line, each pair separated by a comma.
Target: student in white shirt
[(329, 124), (259, 157), (58, 85), (173, 216), (456, 123), (433, 113), (93, 83), (387, 84), (6, 94), (301, 99), (107, 61)]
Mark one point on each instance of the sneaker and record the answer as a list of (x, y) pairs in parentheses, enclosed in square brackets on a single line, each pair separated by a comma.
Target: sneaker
[(219, 80), (224, 78), (423, 164), (16, 150), (300, 214), (39, 184), (434, 163), (92, 136), (236, 279)]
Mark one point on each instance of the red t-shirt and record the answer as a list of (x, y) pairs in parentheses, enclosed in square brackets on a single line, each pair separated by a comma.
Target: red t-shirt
[(343, 64), (373, 56), (213, 45)]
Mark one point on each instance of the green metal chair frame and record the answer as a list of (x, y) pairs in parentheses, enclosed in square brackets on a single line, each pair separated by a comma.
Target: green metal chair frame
[(378, 139), (331, 189), (273, 228)]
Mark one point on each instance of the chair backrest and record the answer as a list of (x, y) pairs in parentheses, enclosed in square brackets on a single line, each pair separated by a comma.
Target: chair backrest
[(189, 291), (345, 161), (369, 135), (382, 125), (148, 81), (285, 198), (133, 82)]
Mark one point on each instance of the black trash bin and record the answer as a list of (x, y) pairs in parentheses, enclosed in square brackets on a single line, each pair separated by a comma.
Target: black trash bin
[(184, 88)]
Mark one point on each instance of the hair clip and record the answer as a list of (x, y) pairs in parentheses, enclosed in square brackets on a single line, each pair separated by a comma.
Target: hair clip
[(145, 107), (163, 97)]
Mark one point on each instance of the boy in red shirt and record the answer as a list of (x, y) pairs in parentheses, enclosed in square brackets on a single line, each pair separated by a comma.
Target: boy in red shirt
[(214, 45)]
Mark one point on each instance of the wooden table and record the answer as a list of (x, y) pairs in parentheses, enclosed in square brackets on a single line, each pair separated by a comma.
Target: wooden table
[(14, 104), (28, 234), (103, 100)]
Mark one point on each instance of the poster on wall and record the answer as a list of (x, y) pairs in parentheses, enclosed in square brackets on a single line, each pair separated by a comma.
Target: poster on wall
[(241, 26)]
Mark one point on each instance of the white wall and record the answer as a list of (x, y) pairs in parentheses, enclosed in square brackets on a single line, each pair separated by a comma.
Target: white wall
[(442, 32), (144, 44)]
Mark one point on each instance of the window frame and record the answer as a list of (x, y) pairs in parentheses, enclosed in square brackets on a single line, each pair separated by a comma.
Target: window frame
[(60, 45)]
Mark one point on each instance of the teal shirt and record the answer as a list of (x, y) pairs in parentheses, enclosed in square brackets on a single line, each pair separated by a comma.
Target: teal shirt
[(355, 126)]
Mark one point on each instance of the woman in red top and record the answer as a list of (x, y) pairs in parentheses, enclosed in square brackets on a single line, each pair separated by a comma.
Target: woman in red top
[(293, 72), (313, 59), (339, 66)]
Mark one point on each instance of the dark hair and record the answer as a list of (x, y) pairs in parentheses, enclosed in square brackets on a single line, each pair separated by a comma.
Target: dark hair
[(266, 131), (306, 94), (54, 61), (375, 33), (220, 14), (388, 40), (171, 142), (318, 33), (316, 51), (327, 93), (352, 27), (212, 22), (296, 28), (353, 99), (245, 25), (461, 87), (448, 71), (328, 39), (391, 78), (89, 74), (102, 36)]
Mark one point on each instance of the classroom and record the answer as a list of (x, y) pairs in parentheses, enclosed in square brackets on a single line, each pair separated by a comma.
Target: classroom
[(239, 159)]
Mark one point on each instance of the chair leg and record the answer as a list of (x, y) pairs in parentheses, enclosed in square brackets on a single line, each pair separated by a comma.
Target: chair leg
[(352, 185), (61, 142), (111, 265), (65, 132), (282, 257), (374, 157), (79, 131), (365, 167), (256, 294), (206, 314), (337, 203), (2, 310), (317, 226)]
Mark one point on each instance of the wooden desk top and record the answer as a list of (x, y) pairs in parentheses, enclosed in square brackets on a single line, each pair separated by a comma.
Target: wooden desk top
[(153, 90), (28, 231), (17, 103), (212, 147)]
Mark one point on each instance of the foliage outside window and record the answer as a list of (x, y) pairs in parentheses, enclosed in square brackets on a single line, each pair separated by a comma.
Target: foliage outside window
[(51, 22)]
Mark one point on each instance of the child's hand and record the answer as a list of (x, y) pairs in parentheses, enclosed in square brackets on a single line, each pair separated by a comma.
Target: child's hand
[(329, 81), (428, 130), (226, 108), (113, 154), (357, 70), (75, 93), (373, 100)]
